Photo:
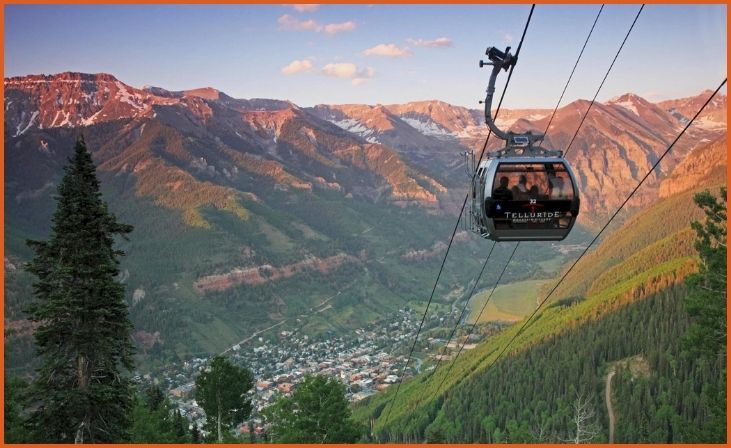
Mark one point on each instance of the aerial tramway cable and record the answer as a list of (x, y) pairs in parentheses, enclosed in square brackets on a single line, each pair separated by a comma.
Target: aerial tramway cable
[(573, 70), (568, 81), (481, 155), (540, 305), (474, 324), (464, 309), (464, 203), (548, 210), (577, 131), (604, 79), (580, 124)]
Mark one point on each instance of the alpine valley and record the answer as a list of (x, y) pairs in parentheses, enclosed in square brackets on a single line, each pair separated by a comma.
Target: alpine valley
[(256, 217)]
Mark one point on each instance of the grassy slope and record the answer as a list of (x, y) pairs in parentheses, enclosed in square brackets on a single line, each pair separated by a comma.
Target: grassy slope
[(509, 302), (663, 219), (651, 250)]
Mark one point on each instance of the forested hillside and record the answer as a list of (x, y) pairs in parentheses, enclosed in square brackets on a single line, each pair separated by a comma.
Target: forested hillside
[(530, 398), (623, 300)]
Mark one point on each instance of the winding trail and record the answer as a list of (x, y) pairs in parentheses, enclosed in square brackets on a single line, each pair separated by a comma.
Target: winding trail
[(608, 399), (255, 334)]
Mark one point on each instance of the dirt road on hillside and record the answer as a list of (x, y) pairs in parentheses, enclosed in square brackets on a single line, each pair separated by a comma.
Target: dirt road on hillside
[(608, 399)]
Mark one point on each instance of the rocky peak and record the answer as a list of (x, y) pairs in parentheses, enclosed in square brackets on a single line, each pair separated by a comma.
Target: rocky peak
[(207, 93), (714, 117), (159, 91), (446, 116), (73, 77), (72, 99), (631, 102)]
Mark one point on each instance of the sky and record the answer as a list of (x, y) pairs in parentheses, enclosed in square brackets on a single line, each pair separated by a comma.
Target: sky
[(375, 54)]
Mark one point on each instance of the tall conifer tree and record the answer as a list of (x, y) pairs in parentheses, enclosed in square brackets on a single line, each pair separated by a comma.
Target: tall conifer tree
[(81, 393)]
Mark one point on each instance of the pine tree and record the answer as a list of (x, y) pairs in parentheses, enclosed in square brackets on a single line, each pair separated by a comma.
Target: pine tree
[(706, 302), (195, 434), (180, 428), (317, 412), (16, 390), (80, 392), (154, 397), (221, 392), (252, 432)]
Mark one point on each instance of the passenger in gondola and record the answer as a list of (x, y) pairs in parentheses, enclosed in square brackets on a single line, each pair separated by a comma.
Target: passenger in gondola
[(520, 191), (503, 193), (557, 191), (533, 193)]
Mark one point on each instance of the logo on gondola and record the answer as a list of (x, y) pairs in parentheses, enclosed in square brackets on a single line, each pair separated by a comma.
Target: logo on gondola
[(532, 205), (532, 215)]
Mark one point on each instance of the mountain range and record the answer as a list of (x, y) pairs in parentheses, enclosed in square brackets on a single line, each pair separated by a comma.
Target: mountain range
[(249, 212)]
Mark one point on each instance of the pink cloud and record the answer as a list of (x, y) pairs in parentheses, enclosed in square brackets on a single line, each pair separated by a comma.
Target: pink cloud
[(334, 28), (433, 43), (389, 50), (306, 8), (290, 23), (348, 70), (297, 66)]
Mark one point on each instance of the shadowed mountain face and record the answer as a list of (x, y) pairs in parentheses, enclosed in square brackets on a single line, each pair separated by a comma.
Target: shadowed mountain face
[(278, 206)]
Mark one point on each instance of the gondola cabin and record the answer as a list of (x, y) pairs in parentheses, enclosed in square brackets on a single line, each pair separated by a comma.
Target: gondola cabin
[(525, 198), (522, 192)]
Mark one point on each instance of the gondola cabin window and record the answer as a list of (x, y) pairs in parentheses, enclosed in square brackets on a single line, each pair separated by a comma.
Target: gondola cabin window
[(531, 196), (532, 181)]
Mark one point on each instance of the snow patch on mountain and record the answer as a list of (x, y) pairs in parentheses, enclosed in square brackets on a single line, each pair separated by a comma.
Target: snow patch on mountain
[(709, 124), (427, 127), (91, 120), (18, 131), (66, 120), (470, 132), (124, 96), (356, 127), (629, 105)]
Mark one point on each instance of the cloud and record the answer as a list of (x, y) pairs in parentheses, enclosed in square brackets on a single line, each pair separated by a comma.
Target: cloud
[(340, 70), (348, 70), (290, 23), (434, 43), (507, 38), (334, 28), (297, 66), (306, 8), (389, 50)]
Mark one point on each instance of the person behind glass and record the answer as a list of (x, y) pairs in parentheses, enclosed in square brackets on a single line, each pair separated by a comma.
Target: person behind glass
[(520, 191), (533, 193), (557, 190), (502, 192)]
